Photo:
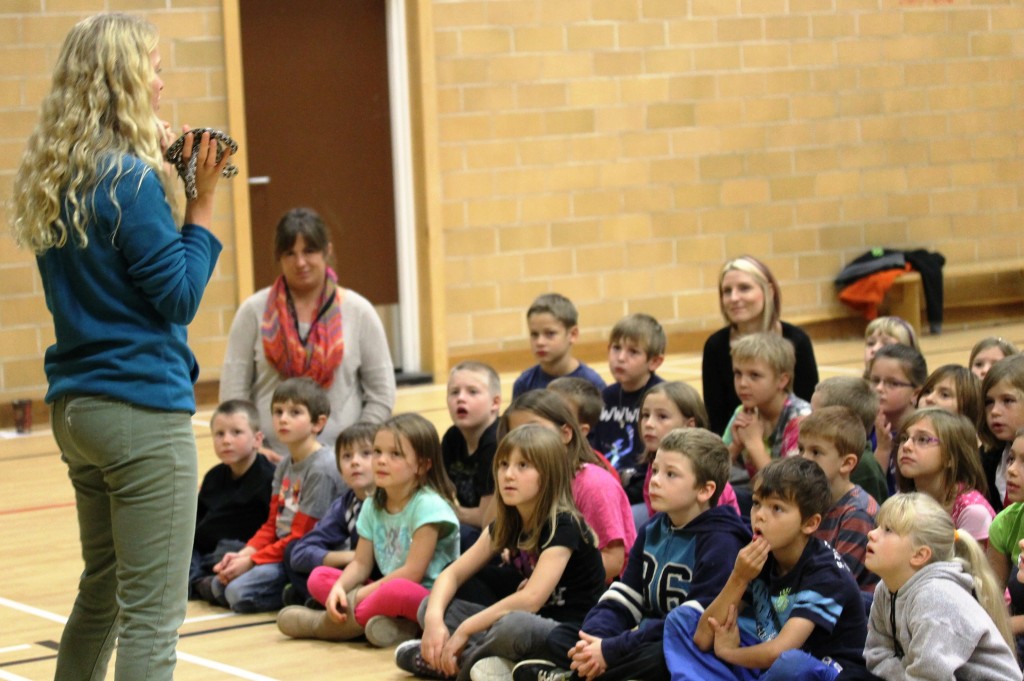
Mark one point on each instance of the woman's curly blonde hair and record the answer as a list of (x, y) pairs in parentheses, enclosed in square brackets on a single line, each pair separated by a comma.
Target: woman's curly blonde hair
[(99, 109)]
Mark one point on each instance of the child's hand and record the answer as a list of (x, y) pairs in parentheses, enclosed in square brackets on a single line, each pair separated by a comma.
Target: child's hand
[(587, 659), (1020, 563), (727, 634), (883, 432), (337, 603), (751, 559), (232, 566), (747, 427), (432, 643), (449, 657)]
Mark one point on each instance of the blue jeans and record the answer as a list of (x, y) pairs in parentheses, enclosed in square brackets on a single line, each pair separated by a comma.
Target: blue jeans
[(258, 590), (135, 479), (687, 662)]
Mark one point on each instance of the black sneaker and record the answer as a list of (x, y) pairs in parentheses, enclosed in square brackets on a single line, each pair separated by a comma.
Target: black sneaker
[(203, 589), (409, 659), (539, 670), (290, 595)]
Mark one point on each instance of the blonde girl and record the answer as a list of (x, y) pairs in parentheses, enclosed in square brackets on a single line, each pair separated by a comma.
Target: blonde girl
[(938, 612), (408, 532), (883, 331), (896, 373), (92, 201), (1003, 390), (665, 407), (937, 455), (548, 544), (597, 493), (987, 352), (956, 389), (1005, 537), (750, 300)]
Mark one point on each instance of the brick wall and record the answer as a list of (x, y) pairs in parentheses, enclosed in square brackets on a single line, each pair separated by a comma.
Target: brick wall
[(618, 151), (191, 46)]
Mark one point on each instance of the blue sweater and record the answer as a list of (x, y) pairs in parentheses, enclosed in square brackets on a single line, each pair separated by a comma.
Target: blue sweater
[(121, 305), (668, 567)]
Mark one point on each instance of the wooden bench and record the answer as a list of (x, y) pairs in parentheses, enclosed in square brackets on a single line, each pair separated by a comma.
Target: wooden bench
[(965, 285)]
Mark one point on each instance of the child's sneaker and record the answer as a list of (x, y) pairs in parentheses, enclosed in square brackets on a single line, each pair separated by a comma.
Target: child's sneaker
[(385, 632), (492, 669), (409, 659), (539, 670)]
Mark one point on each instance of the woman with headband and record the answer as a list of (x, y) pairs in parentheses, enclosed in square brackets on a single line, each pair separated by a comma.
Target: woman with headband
[(748, 295)]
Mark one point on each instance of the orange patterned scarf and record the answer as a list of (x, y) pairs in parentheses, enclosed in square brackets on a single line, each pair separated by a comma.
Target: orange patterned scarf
[(319, 353)]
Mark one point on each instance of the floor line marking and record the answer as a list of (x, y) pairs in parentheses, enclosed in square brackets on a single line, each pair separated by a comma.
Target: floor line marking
[(14, 649), (208, 618), (220, 667), (186, 657), (29, 509), (28, 609)]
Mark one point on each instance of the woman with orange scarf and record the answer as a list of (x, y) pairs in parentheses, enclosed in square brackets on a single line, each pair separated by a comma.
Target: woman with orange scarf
[(306, 324)]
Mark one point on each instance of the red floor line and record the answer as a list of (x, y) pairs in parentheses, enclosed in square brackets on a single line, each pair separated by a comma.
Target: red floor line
[(29, 509)]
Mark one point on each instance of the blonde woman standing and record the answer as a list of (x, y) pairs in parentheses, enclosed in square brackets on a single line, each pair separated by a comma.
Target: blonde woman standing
[(122, 279)]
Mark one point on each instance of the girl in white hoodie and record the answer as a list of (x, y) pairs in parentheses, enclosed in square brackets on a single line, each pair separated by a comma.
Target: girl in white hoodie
[(938, 613)]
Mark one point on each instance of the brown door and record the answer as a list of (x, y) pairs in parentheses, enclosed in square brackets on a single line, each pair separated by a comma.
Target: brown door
[(319, 132)]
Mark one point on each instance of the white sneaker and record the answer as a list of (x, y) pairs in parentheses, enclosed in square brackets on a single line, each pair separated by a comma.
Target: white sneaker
[(492, 669)]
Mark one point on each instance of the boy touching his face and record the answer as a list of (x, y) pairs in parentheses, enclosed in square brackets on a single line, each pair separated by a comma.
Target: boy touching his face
[(790, 608)]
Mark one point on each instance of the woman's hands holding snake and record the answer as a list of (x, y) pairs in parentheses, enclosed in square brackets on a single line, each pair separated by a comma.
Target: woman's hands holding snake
[(199, 210)]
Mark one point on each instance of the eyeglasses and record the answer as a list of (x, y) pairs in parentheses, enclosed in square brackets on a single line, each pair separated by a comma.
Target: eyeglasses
[(889, 383), (920, 440)]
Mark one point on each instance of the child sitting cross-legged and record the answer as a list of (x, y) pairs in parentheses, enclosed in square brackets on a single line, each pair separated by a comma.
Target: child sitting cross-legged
[(834, 438), (330, 545), (560, 574), (681, 558), (407, 532), (790, 609), (305, 483), (938, 612)]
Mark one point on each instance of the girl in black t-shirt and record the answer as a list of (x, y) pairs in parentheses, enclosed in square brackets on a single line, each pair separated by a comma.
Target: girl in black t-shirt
[(543, 537)]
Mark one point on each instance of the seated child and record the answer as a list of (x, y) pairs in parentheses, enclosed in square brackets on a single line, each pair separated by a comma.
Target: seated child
[(1003, 389), (766, 424), (665, 407), (474, 398), (896, 372), (834, 438), (855, 394), (938, 612), (954, 388), (584, 401), (883, 331), (790, 606), (408, 532), (305, 483), (548, 544), (234, 498), (1004, 537), (987, 352), (636, 348), (553, 319), (596, 492), (333, 541), (681, 558), (938, 455)]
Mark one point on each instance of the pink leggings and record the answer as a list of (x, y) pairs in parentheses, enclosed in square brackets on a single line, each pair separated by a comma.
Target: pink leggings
[(394, 598)]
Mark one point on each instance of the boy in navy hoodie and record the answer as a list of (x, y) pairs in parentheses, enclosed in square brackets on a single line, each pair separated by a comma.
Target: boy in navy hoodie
[(682, 557)]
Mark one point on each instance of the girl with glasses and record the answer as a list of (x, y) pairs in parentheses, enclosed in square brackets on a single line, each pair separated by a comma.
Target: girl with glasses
[(896, 373), (937, 455)]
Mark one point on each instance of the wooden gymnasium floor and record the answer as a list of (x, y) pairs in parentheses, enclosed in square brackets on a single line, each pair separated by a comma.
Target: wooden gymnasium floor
[(40, 560)]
